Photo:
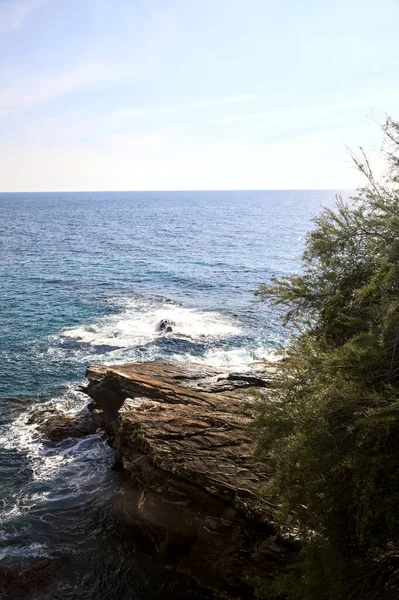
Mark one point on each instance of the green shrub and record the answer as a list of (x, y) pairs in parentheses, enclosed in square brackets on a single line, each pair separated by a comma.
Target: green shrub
[(330, 424)]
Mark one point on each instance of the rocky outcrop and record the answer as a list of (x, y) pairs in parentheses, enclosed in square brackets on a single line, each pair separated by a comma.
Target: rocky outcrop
[(192, 483), (57, 426)]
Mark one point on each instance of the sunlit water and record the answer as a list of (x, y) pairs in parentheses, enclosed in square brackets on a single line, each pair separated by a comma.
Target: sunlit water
[(85, 279)]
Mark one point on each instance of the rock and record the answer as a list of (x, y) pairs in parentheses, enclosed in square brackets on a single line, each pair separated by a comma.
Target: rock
[(17, 405), (23, 580), (206, 445), (247, 380), (118, 466), (202, 378), (191, 480), (165, 326), (41, 416), (59, 426), (18, 401)]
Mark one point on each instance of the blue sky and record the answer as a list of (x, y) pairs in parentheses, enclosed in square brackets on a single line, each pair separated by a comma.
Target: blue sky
[(192, 94)]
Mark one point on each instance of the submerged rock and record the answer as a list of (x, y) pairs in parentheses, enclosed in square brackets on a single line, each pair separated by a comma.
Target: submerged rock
[(17, 405), (191, 480)]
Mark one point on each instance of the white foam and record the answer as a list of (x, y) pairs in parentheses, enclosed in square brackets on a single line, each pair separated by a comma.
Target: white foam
[(232, 359), (80, 466), (34, 549), (137, 322), (58, 470)]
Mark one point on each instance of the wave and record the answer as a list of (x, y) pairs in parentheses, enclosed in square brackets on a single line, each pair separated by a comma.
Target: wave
[(59, 473), (136, 324), (32, 550), (131, 333), (66, 485), (232, 359), (73, 469)]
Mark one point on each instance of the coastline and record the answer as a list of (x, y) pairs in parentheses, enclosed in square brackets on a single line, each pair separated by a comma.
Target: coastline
[(190, 479)]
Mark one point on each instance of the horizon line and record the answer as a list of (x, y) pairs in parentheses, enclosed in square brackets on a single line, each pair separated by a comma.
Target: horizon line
[(175, 191)]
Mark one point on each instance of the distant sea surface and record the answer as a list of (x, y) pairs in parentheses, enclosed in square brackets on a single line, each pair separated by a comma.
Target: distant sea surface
[(84, 279)]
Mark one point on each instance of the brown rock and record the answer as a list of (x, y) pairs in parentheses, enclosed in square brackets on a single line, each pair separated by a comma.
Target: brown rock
[(58, 426), (192, 482)]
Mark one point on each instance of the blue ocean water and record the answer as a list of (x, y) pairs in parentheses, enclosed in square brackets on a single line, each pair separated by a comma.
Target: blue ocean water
[(84, 279)]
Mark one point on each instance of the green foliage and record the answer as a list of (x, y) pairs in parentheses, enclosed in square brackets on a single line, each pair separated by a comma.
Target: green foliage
[(330, 423)]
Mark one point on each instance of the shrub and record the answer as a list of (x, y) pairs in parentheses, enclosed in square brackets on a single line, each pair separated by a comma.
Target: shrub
[(330, 423)]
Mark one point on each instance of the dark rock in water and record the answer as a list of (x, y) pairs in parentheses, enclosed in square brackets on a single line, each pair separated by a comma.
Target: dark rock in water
[(191, 480), (40, 416), (81, 388), (18, 401), (23, 580), (61, 428), (17, 405), (57, 427), (173, 302), (118, 466), (102, 348), (245, 380), (165, 326)]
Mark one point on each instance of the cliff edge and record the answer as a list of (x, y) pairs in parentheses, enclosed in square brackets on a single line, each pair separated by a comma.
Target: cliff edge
[(192, 483)]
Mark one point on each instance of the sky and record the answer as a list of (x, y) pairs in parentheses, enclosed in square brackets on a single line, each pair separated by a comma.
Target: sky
[(193, 94)]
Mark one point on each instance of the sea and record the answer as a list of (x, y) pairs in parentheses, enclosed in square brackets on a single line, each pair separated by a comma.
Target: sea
[(86, 278)]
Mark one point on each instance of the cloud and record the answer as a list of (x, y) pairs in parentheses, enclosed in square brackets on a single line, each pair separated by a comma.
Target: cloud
[(14, 12)]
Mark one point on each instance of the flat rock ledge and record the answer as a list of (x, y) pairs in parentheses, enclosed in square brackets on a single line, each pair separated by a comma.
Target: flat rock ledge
[(180, 432)]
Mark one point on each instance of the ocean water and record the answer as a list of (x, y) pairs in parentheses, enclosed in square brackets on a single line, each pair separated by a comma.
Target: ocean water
[(84, 279)]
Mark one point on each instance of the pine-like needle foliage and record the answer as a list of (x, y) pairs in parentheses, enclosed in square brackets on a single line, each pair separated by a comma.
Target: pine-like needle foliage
[(330, 424)]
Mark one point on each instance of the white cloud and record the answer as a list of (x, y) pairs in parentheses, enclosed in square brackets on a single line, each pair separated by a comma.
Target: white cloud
[(14, 12)]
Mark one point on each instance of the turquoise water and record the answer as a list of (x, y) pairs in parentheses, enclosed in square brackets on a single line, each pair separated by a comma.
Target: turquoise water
[(85, 278)]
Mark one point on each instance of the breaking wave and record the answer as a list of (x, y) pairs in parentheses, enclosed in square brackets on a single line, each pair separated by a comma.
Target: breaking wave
[(136, 324), (57, 474), (130, 332)]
